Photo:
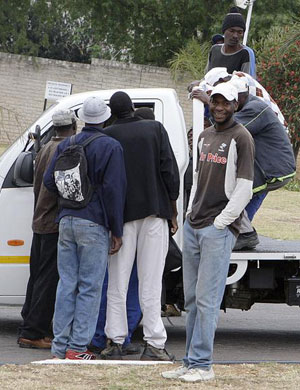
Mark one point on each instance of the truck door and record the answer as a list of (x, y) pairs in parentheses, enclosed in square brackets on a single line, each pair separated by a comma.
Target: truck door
[(16, 203)]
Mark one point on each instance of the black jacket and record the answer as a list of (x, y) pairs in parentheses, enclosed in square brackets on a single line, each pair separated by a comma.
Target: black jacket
[(151, 168)]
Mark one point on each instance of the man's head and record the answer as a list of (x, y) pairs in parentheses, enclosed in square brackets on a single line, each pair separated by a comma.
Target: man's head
[(121, 105), (223, 103), (233, 28), (217, 39), (94, 111), (64, 122), (241, 84), (144, 113)]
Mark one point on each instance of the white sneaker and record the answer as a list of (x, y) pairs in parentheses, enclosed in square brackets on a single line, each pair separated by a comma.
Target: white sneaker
[(197, 375), (174, 374)]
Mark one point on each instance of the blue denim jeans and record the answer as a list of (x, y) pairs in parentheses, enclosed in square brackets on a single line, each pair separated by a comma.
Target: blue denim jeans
[(206, 258), (82, 260), (255, 204)]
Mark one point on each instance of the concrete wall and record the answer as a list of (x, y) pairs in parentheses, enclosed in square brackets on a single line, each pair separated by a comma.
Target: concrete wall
[(23, 83)]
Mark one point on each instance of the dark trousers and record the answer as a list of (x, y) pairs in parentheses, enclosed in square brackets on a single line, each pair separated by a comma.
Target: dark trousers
[(134, 313), (38, 308), (255, 204)]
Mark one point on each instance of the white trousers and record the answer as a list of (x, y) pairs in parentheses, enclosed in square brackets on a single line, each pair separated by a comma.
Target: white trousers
[(147, 239)]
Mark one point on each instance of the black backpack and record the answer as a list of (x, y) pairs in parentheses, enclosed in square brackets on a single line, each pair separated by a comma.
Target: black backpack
[(71, 175)]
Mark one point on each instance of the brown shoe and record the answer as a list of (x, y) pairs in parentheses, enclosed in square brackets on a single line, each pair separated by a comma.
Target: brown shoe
[(171, 311), (39, 343)]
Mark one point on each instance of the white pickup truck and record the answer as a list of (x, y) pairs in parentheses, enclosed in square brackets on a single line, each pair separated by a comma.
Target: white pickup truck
[(268, 274)]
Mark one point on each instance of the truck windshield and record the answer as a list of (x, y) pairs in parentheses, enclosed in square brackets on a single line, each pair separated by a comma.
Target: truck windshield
[(23, 136)]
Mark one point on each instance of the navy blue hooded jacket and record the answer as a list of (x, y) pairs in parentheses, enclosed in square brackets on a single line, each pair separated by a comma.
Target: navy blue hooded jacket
[(274, 158), (106, 171)]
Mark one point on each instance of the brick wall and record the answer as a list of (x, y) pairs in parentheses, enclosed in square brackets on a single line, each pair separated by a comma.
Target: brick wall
[(23, 83)]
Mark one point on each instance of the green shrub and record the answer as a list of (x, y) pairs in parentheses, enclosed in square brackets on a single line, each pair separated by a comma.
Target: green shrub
[(190, 62), (278, 69)]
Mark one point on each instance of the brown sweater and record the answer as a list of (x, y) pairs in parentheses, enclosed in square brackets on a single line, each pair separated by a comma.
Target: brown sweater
[(45, 202)]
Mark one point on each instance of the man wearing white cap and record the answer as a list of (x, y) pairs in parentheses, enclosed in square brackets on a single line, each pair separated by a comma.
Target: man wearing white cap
[(259, 113), (274, 159), (221, 190), (38, 308), (83, 244)]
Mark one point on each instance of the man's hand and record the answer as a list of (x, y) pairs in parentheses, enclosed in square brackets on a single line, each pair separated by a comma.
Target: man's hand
[(115, 245), (173, 225), (193, 84), (201, 95)]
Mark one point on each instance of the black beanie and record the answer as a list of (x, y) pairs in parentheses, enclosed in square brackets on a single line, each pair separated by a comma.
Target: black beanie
[(233, 19), (120, 103)]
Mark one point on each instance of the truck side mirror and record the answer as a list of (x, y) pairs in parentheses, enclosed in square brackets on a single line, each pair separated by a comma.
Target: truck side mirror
[(23, 171)]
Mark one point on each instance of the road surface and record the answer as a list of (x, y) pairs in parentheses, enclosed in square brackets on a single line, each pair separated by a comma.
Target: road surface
[(267, 332)]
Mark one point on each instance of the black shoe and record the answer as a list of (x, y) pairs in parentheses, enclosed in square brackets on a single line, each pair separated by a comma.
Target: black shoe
[(131, 349), (152, 353), (95, 349), (246, 241), (113, 351)]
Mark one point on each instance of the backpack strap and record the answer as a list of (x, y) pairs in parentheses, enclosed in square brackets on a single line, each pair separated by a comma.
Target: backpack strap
[(72, 139), (91, 138), (87, 141)]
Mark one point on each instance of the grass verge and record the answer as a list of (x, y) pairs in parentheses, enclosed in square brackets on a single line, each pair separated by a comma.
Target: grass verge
[(279, 215), (241, 376)]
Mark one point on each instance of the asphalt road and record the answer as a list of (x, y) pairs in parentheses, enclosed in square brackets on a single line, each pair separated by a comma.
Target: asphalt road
[(265, 333)]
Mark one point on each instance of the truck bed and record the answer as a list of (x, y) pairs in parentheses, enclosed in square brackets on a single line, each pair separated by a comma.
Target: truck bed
[(270, 249)]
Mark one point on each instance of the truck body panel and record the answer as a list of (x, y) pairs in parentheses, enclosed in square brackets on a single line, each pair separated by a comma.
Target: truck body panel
[(270, 273), (16, 203)]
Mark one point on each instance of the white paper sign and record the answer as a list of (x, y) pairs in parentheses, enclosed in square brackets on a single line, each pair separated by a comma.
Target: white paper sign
[(56, 90)]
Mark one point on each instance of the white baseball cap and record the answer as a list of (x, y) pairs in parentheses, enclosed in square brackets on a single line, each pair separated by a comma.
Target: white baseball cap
[(215, 74), (94, 111), (227, 90), (240, 83)]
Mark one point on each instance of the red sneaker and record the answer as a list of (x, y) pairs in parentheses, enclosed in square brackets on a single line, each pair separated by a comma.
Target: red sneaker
[(75, 355)]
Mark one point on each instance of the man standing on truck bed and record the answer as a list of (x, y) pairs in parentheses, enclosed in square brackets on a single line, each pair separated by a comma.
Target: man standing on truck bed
[(83, 243), (232, 54), (152, 190), (222, 188), (38, 308)]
